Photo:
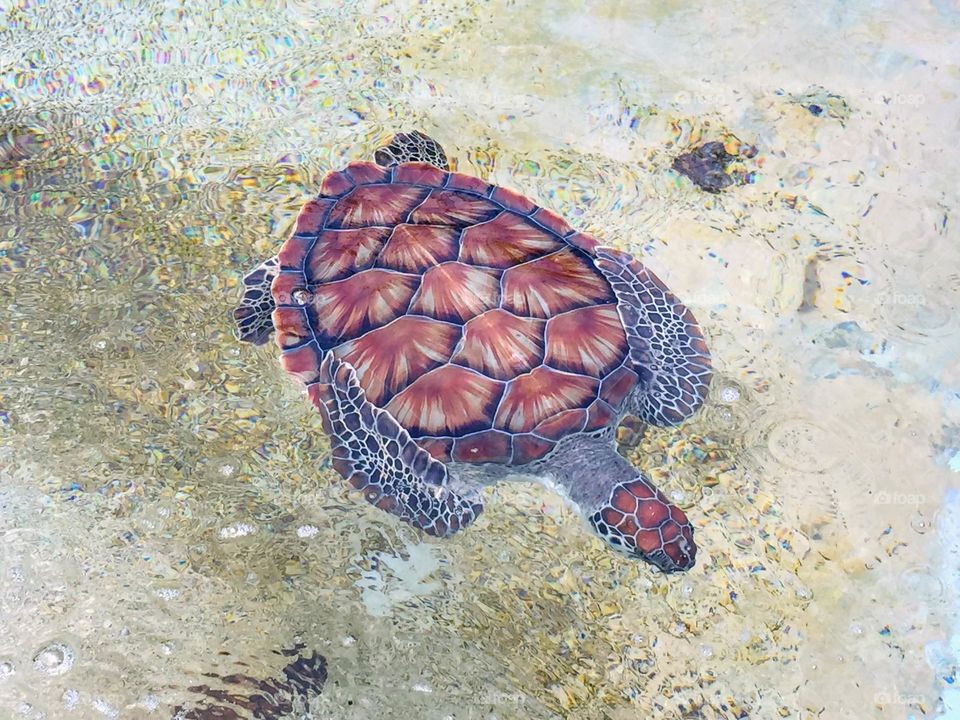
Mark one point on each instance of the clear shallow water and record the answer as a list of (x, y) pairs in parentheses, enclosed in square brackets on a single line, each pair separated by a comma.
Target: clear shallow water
[(166, 507)]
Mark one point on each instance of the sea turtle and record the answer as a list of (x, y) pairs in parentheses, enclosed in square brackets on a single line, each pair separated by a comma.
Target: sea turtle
[(452, 334)]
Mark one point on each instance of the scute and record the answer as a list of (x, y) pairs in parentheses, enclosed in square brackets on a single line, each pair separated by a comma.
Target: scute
[(588, 340), (501, 345), (447, 207), (450, 401), (393, 356), (416, 248), (554, 283), (506, 241), (478, 320), (489, 446), (338, 254), (540, 394), (346, 309), (457, 292), (383, 205)]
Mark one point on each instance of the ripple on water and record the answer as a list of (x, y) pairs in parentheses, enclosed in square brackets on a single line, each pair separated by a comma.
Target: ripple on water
[(915, 308), (803, 445), (919, 227), (918, 314), (921, 582)]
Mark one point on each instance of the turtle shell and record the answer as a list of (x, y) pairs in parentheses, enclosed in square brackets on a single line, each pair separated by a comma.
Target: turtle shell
[(475, 317)]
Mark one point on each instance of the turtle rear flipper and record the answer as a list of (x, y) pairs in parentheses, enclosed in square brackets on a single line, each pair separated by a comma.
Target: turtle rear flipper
[(411, 147), (379, 458), (253, 314), (666, 346)]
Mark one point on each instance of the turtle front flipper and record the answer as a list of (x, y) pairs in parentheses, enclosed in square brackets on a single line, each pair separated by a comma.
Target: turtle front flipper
[(379, 458), (411, 147), (253, 314), (666, 346)]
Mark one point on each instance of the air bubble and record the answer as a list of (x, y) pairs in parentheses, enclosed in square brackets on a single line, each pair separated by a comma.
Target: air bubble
[(70, 698), (105, 708), (54, 659), (643, 665), (730, 394), (725, 416), (6, 669), (237, 531), (921, 582), (921, 524)]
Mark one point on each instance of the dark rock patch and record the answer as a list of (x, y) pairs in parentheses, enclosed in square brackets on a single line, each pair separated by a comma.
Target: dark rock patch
[(709, 166)]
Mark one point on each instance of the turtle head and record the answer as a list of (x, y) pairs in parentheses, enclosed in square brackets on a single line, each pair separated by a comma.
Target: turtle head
[(638, 520), (621, 503)]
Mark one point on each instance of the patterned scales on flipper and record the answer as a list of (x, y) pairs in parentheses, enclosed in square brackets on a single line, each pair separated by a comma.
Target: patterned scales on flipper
[(252, 315), (411, 147), (379, 458), (666, 344)]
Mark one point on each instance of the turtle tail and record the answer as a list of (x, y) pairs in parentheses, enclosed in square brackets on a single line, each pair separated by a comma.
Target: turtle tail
[(411, 147), (253, 315)]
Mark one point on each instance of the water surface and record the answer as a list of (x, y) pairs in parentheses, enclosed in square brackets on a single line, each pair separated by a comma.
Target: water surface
[(167, 508)]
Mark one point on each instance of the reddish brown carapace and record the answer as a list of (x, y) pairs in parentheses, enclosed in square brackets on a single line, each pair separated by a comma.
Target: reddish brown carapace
[(477, 319)]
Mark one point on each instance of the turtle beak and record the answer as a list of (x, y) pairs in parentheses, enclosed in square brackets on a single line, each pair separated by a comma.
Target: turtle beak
[(675, 556)]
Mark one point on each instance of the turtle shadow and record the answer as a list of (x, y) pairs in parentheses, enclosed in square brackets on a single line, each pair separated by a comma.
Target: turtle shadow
[(270, 699)]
